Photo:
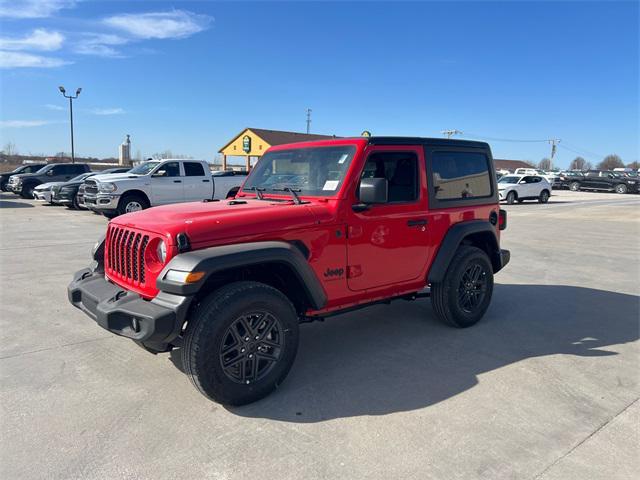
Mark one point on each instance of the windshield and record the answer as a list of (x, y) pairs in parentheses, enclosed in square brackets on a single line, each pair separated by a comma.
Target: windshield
[(310, 171), (144, 168), (81, 177), (509, 179)]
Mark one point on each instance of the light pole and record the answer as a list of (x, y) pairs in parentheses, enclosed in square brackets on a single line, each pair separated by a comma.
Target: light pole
[(71, 98)]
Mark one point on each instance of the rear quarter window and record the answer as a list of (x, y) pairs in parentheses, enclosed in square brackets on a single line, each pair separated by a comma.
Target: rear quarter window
[(459, 175)]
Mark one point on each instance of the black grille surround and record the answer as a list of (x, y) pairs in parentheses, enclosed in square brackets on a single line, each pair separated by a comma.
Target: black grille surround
[(91, 187)]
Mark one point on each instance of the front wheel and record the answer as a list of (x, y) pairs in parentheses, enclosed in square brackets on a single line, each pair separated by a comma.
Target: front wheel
[(27, 191), (132, 202), (464, 294), (511, 197), (240, 343), (544, 196), (622, 188), (574, 186)]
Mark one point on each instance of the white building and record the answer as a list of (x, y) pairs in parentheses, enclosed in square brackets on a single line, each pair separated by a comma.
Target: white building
[(124, 152)]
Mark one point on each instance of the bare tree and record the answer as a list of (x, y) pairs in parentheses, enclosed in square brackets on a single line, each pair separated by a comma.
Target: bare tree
[(635, 165), (9, 149), (610, 162), (544, 164), (577, 163)]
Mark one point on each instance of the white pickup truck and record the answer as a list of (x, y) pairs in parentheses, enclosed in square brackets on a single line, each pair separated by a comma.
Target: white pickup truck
[(157, 182)]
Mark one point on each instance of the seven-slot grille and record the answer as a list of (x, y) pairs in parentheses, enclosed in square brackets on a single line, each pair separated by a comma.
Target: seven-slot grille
[(90, 186), (125, 250)]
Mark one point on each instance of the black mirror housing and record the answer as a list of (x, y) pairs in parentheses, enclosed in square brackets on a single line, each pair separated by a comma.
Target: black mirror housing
[(374, 190)]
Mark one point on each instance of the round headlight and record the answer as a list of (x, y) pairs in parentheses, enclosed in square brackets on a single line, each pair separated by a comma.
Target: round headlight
[(107, 187), (161, 251)]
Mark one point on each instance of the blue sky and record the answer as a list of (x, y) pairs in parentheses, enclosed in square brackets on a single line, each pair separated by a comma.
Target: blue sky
[(187, 76)]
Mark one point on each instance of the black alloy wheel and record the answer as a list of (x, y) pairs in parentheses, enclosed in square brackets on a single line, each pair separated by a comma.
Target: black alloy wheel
[(473, 287), (251, 347)]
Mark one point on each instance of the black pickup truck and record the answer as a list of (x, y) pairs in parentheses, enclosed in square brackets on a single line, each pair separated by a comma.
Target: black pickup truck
[(605, 180)]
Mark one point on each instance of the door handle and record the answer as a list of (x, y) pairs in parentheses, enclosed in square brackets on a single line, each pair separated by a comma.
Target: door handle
[(177, 181), (417, 222), (207, 181)]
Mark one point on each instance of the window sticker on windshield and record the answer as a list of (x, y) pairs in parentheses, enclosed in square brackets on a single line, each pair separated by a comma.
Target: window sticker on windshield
[(343, 158), (330, 185)]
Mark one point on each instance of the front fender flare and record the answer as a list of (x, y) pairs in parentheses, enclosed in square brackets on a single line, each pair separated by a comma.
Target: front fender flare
[(225, 257)]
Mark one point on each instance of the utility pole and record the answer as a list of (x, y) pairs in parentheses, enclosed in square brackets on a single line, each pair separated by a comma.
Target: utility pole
[(71, 98), (308, 120), (554, 146), (450, 133)]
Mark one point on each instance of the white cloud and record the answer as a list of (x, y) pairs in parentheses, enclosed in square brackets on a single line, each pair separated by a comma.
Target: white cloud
[(27, 60), (22, 123), (107, 111), (100, 44), (39, 39), (32, 8), (160, 25), (54, 107)]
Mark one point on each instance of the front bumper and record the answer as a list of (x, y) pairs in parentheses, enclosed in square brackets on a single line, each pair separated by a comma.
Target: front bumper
[(101, 201), (154, 323), (42, 195)]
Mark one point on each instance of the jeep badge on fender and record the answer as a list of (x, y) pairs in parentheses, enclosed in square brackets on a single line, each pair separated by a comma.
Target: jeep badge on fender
[(229, 282)]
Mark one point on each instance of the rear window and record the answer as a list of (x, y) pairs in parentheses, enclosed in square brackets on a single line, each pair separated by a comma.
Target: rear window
[(460, 175)]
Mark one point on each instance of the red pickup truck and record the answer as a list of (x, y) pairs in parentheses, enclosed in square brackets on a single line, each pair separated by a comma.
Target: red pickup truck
[(317, 229)]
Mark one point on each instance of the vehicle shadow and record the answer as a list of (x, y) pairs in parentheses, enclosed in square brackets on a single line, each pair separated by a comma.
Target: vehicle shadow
[(10, 204), (399, 357)]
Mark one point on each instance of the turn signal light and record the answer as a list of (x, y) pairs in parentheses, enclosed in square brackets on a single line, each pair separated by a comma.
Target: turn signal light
[(183, 277)]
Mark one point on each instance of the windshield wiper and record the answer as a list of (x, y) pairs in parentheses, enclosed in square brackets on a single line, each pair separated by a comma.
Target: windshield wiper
[(292, 191), (258, 191)]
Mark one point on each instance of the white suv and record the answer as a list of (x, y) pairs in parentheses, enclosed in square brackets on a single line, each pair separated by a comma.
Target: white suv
[(517, 188)]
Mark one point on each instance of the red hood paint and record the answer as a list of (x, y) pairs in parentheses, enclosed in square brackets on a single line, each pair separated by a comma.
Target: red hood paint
[(209, 223)]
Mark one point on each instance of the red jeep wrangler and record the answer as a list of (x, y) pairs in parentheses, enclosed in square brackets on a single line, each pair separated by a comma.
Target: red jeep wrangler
[(317, 229)]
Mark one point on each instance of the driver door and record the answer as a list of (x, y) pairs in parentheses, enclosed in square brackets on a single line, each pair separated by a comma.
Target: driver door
[(167, 184), (386, 243)]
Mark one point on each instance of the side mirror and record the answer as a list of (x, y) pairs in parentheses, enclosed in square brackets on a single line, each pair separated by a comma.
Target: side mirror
[(50, 173), (160, 173), (522, 181), (372, 190)]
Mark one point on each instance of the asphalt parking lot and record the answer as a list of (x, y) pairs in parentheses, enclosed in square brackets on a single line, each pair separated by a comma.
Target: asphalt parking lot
[(545, 387)]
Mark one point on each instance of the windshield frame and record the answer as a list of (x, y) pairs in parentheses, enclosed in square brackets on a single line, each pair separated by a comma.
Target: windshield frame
[(350, 148)]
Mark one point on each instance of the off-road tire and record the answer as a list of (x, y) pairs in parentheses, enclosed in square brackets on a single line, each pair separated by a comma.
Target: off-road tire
[(621, 188), (574, 186), (544, 196), (74, 204), (446, 295), (129, 199), (208, 328), (511, 197)]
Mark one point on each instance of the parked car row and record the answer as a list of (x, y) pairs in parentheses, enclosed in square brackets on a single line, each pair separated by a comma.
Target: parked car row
[(600, 180), (122, 190)]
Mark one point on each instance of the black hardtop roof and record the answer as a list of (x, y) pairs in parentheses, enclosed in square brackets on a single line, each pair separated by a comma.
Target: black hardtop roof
[(426, 141)]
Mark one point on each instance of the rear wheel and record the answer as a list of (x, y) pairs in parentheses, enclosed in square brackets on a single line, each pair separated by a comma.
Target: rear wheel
[(511, 197), (574, 186), (544, 196), (464, 294), (132, 202), (240, 343), (621, 188)]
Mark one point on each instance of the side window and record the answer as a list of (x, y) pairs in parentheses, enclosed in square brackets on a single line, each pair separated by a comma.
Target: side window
[(59, 169), (172, 169), (460, 175), (401, 171), (536, 179), (77, 169), (193, 169), (525, 180)]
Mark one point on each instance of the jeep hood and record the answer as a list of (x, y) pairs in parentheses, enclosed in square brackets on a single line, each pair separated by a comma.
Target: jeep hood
[(208, 223)]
